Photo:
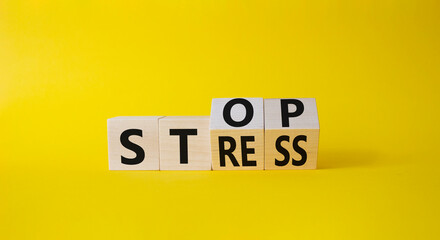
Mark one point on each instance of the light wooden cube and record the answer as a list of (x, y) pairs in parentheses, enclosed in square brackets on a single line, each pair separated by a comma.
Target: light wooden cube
[(133, 143), (184, 143), (237, 134), (291, 133)]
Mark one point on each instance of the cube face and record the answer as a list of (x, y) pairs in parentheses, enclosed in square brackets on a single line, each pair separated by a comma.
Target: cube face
[(237, 134), (237, 113), (291, 149), (184, 143), (291, 133), (133, 143), (283, 113), (237, 149)]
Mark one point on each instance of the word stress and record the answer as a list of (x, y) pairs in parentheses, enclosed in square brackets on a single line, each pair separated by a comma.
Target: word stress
[(240, 134)]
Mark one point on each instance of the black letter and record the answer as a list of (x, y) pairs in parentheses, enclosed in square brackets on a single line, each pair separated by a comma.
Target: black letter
[(245, 151), (223, 152), (183, 138), (285, 114), (140, 154), (282, 151), (227, 112), (299, 150)]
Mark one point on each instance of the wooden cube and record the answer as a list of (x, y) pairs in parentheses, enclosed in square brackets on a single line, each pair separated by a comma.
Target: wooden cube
[(237, 134), (133, 143), (184, 143), (291, 133)]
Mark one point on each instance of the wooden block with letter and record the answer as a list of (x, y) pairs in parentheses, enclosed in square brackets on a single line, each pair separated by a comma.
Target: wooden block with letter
[(184, 143), (133, 143), (291, 133), (237, 134)]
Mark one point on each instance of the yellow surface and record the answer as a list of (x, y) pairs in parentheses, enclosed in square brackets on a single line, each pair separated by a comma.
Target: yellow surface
[(67, 66)]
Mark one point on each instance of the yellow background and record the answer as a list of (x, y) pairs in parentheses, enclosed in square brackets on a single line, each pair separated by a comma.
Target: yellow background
[(67, 66)]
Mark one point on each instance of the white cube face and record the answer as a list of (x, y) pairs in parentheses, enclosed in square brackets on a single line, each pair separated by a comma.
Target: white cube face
[(290, 113), (237, 113)]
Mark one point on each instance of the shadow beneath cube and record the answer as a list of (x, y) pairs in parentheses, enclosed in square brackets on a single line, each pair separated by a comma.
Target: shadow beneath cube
[(328, 159)]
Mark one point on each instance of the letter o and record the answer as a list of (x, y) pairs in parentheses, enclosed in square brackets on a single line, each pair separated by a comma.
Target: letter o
[(227, 112)]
